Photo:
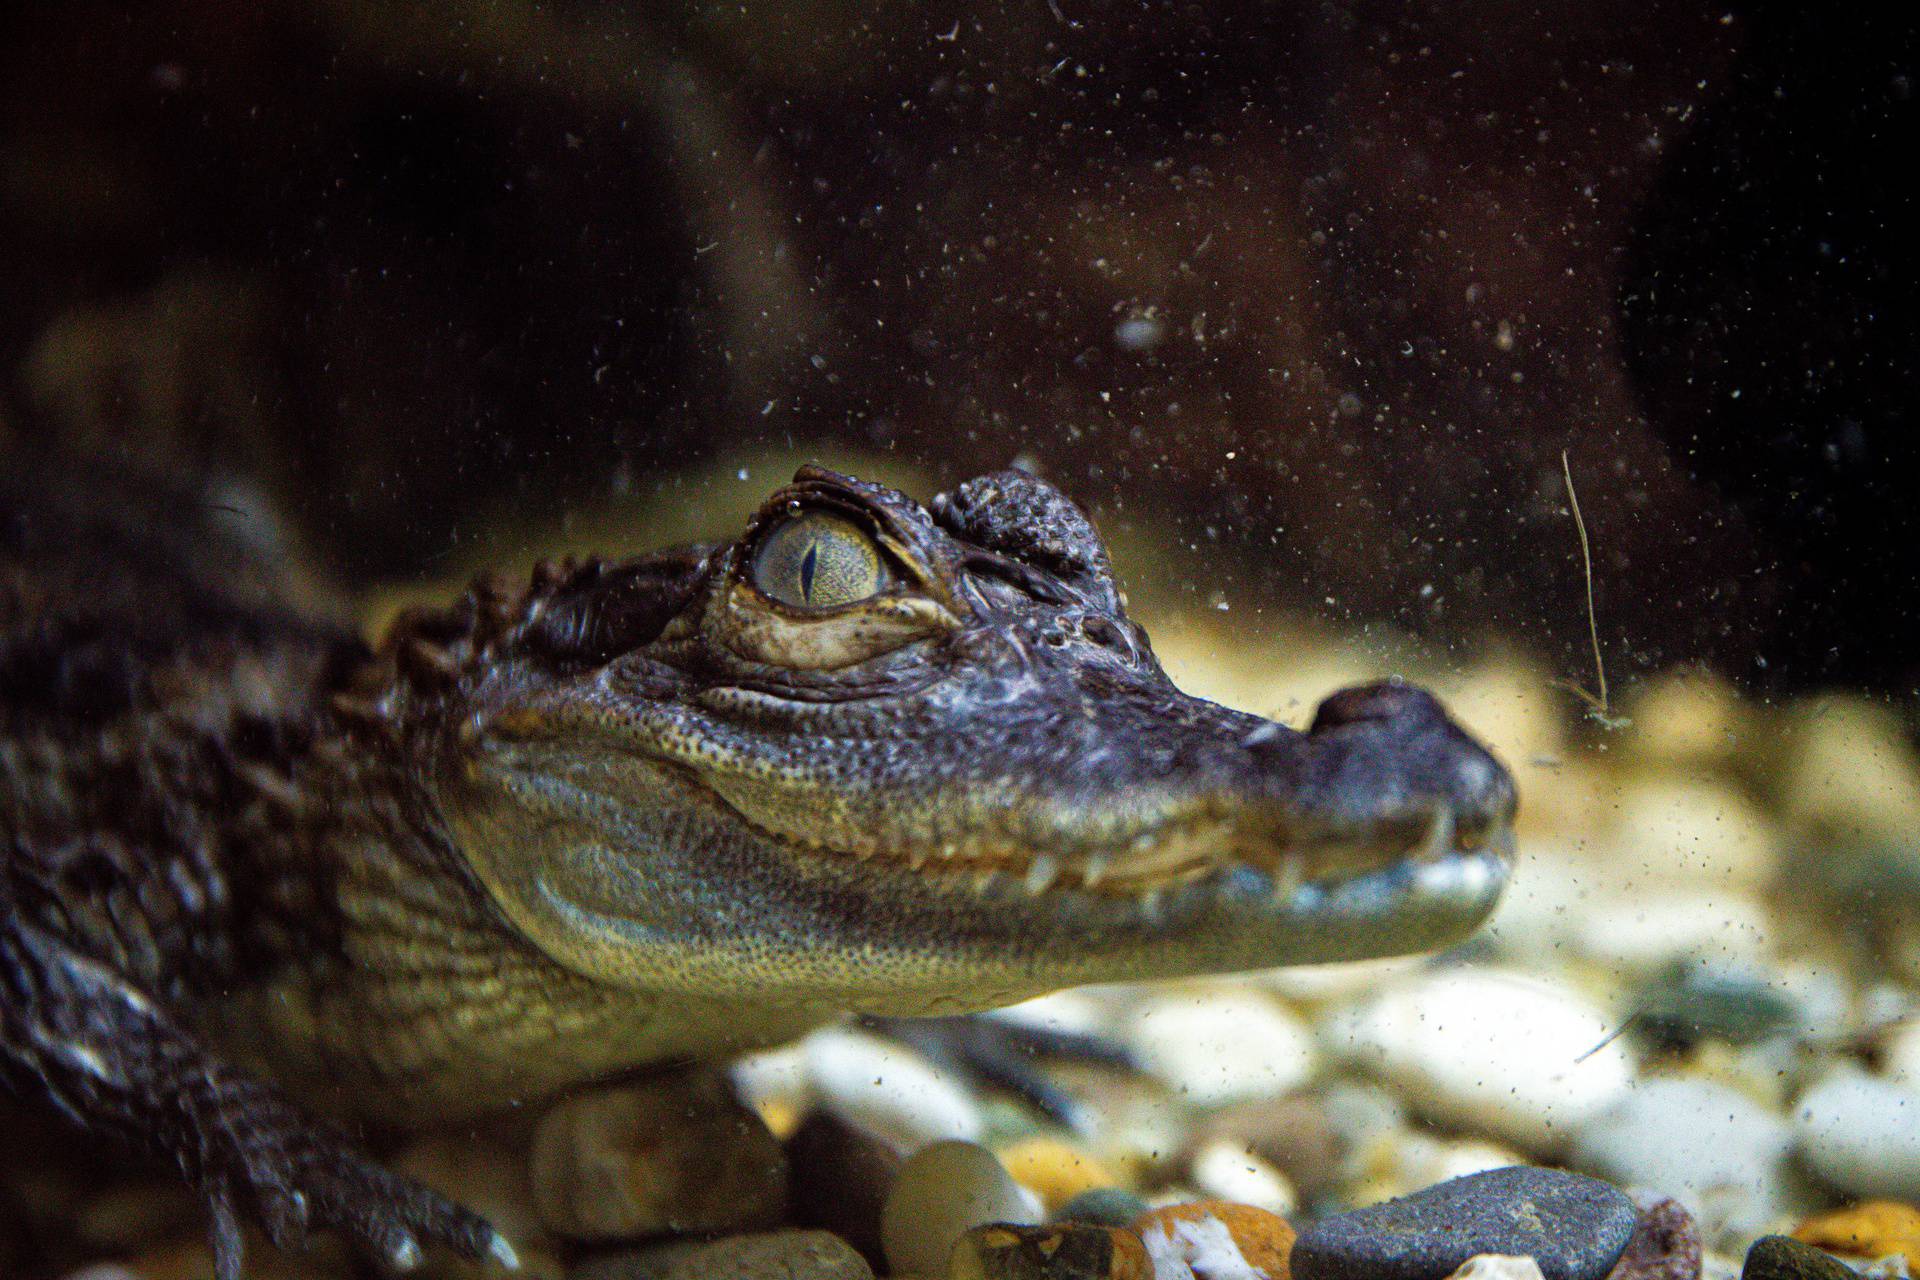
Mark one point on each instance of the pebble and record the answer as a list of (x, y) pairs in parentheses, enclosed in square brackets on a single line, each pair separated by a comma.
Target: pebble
[(1853, 775), (1053, 1169), (1515, 1057), (1576, 1228), (839, 1179), (1103, 1207), (1215, 1240), (1869, 1230), (1227, 1171), (1295, 1135), (942, 1191), (1219, 1043), (1862, 1134), (1498, 1266), (674, 1154), (1641, 932), (1666, 1242), (889, 1090), (1413, 1161), (1692, 719), (770, 1255), (1721, 1154), (1697, 831), (1064, 1251), (1783, 1258)]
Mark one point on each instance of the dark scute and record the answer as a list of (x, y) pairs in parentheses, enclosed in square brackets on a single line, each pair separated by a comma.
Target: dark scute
[(1023, 517), (606, 611)]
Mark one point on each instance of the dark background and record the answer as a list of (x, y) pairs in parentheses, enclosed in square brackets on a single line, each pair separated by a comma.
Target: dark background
[(1329, 287)]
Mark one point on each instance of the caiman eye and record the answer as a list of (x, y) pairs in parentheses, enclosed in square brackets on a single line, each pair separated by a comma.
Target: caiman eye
[(818, 561)]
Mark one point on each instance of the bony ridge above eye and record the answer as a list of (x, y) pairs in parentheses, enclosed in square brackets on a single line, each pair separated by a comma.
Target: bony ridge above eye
[(817, 561)]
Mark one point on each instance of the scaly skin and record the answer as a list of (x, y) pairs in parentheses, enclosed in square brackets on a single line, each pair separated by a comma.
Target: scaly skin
[(869, 756)]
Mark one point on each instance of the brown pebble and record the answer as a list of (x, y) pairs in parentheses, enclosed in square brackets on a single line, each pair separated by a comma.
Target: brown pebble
[(1294, 1134), (1188, 1233), (838, 1178), (1870, 1230), (674, 1154), (1665, 1244), (1062, 1251)]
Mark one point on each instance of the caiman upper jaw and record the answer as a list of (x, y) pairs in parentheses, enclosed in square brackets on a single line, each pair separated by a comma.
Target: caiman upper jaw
[(1388, 744)]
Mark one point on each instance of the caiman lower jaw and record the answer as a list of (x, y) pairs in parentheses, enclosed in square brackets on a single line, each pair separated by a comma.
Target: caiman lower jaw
[(1172, 855)]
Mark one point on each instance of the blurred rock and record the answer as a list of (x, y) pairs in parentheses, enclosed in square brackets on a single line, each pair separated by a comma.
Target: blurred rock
[(1103, 1206), (1227, 1171), (1666, 1242), (1517, 1057), (1688, 720), (1063, 1251), (1214, 1043), (838, 1180), (1054, 1170), (1870, 1230), (943, 1191), (676, 1154), (1862, 1134), (1715, 1150), (1699, 832), (772, 1255)]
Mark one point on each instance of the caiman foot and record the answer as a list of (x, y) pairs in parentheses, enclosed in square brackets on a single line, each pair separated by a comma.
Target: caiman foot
[(295, 1175)]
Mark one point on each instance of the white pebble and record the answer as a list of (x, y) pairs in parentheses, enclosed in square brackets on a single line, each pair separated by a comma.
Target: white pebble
[(1498, 1266), (771, 1076), (1862, 1134), (1699, 832), (1722, 1155), (1219, 1043), (942, 1192), (1228, 1171), (1505, 1054), (1640, 933), (889, 1089)]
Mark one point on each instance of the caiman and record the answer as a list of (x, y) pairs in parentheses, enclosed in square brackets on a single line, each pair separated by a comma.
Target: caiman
[(262, 881)]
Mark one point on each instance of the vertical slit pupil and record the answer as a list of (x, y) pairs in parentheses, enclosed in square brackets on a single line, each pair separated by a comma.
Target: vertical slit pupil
[(808, 563)]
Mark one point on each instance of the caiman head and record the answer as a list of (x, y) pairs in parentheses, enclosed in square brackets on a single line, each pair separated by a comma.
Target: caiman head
[(906, 759)]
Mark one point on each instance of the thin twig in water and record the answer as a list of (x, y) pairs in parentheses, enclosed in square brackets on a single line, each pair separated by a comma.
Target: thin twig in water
[(1597, 705)]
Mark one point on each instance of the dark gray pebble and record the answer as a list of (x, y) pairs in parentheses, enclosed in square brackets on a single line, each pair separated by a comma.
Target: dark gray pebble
[(1103, 1206), (1576, 1228), (1784, 1258)]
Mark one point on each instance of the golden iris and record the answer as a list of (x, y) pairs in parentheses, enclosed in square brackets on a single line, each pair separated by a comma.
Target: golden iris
[(817, 561)]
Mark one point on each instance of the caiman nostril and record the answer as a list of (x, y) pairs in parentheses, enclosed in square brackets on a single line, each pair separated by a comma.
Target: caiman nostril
[(1383, 700)]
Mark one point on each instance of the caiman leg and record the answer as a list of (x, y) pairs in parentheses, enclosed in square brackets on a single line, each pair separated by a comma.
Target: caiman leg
[(88, 1041)]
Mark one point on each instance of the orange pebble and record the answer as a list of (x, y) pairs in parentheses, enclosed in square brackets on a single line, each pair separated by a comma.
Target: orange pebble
[(1191, 1234), (1871, 1230)]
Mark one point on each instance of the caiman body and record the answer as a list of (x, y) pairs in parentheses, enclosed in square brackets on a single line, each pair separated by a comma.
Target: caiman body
[(866, 756)]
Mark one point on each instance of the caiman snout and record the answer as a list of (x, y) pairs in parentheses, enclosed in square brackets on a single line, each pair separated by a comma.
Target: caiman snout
[(1390, 746)]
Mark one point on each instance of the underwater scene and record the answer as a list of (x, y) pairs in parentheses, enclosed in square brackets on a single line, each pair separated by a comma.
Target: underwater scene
[(1075, 640)]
